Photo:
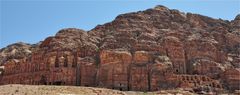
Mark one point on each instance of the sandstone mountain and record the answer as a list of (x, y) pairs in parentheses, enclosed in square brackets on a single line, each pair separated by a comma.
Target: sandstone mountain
[(148, 50), (16, 51)]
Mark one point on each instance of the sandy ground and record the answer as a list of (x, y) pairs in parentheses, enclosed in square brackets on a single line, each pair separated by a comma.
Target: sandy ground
[(16, 89)]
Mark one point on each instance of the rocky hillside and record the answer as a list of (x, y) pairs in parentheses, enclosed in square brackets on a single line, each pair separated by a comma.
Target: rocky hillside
[(16, 51), (148, 50), (152, 25)]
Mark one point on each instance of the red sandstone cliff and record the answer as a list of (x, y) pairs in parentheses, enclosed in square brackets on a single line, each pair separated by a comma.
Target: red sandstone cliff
[(16, 51), (148, 50)]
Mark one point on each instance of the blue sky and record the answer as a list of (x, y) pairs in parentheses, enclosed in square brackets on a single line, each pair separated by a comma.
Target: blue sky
[(32, 21)]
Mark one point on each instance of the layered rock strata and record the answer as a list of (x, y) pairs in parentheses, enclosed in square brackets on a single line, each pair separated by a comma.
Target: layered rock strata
[(149, 50)]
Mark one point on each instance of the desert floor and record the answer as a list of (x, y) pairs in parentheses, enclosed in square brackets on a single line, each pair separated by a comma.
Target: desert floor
[(16, 89)]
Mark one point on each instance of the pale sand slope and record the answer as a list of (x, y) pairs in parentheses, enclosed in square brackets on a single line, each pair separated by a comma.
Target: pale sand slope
[(16, 89)]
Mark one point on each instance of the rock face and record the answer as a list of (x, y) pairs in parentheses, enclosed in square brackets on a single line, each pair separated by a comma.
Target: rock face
[(16, 51), (231, 78), (149, 50)]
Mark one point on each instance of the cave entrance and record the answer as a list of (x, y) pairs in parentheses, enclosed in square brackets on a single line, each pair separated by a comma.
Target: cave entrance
[(121, 89), (43, 80), (57, 83)]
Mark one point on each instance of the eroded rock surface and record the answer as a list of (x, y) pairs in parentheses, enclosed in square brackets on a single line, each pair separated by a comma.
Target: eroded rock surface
[(16, 51), (148, 50)]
